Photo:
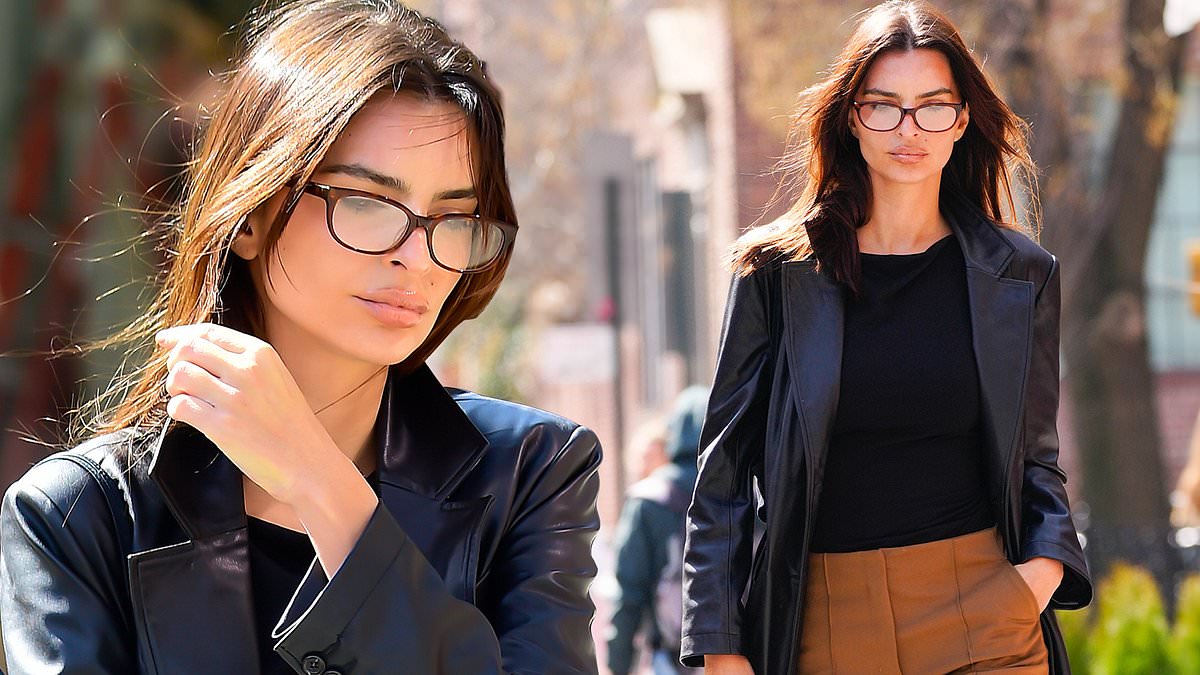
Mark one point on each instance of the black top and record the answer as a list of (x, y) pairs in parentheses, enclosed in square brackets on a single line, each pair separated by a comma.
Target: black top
[(279, 558), (906, 462)]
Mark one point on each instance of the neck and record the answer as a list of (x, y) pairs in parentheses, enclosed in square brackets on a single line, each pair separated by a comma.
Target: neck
[(345, 393), (904, 218)]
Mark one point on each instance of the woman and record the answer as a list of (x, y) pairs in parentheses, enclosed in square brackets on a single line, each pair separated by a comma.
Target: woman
[(286, 487), (886, 392)]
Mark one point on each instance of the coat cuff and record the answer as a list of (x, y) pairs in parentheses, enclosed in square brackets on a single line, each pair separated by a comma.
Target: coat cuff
[(1075, 589), (321, 609), (694, 647)]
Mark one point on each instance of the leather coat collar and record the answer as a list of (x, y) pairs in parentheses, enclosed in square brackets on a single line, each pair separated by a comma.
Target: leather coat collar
[(983, 245), (428, 446)]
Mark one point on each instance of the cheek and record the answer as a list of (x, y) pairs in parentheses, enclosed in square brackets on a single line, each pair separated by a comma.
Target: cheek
[(946, 147), (306, 263), (871, 147), (441, 285)]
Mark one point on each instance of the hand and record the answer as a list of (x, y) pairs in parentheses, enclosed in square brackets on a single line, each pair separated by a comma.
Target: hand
[(236, 390), (727, 664), (1042, 575)]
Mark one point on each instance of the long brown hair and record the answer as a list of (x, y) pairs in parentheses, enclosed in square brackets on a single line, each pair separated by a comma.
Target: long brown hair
[(823, 172), (306, 67)]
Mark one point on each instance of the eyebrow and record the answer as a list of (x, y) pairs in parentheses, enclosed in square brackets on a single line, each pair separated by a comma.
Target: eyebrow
[(398, 185), (892, 94)]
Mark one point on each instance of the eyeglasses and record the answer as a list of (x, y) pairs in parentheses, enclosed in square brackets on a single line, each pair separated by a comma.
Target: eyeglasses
[(930, 117), (368, 223)]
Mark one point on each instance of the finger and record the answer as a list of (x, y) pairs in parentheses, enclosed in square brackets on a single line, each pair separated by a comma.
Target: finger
[(222, 336), (190, 379), (189, 409), (223, 364)]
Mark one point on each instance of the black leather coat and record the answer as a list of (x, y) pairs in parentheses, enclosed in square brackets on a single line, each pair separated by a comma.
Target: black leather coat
[(769, 422), (477, 560)]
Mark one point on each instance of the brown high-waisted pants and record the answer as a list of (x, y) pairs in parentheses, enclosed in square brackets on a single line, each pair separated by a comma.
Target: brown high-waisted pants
[(949, 606)]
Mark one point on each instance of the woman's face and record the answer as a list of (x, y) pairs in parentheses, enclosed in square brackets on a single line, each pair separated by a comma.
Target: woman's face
[(907, 154), (377, 309)]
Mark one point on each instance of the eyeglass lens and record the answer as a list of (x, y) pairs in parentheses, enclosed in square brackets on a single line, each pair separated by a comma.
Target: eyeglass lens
[(370, 225)]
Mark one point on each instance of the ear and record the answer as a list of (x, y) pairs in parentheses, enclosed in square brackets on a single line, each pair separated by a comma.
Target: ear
[(960, 127), (852, 122), (251, 233)]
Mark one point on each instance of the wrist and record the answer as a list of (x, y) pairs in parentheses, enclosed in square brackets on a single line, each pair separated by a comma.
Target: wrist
[(335, 511), (336, 494), (1046, 565), (315, 469), (1043, 576)]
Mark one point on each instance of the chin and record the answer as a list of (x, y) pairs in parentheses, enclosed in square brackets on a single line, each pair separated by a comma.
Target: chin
[(382, 358), (380, 348), (914, 180), (915, 176)]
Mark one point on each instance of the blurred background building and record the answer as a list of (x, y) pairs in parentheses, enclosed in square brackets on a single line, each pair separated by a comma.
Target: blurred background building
[(642, 134)]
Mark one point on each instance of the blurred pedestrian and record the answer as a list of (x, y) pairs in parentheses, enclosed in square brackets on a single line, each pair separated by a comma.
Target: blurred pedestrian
[(285, 487), (649, 548), (649, 446), (888, 384), (1185, 499)]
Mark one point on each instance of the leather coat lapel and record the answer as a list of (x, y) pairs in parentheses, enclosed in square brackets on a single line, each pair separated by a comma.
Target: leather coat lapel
[(447, 533), (1002, 335), (199, 587), (813, 314), (1001, 322), (429, 446), (429, 443), (196, 589)]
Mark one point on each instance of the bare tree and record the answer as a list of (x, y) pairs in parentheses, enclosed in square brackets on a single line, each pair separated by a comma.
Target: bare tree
[(1100, 227)]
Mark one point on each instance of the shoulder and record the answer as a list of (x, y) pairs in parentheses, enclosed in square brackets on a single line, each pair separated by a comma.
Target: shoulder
[(62, 495), (760, 250), (534, 433), (70, 475), (1030, 261), (759, 284)]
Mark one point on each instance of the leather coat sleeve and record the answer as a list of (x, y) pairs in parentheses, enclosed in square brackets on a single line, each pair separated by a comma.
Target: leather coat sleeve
[(717, 553), (1046, 517), (60, 572), (386, 605)]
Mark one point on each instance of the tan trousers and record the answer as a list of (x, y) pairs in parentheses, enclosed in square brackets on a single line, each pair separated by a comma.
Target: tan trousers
[(949, 606)]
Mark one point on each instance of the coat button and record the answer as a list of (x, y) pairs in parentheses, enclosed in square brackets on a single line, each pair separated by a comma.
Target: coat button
[(332, 672), (313, 665)]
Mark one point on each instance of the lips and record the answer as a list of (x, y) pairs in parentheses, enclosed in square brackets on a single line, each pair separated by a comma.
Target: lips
[(907, 155), (394, 306)]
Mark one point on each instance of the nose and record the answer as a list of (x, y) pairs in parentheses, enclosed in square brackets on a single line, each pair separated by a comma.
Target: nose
[(908, 124), (413, 253)]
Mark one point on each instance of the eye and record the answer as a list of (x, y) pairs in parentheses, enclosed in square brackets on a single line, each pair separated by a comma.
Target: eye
[(363, 204), (459, 209)]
